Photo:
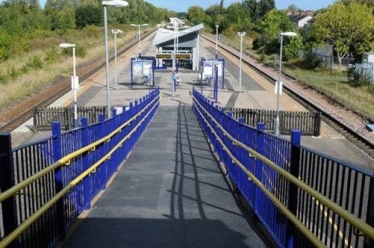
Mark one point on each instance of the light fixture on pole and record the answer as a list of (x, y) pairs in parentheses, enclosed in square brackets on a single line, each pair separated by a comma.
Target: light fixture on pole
[(115, 32), (113, 3), (216, 39), (278, 84), (241, 34), (139, 25), (74, 81)]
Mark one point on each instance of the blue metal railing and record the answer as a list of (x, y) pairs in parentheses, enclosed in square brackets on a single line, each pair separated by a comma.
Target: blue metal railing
[(298, 194), (55, 179)]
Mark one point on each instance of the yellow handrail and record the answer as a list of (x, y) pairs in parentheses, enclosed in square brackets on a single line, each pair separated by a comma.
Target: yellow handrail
[(352, 219), (22, 227)]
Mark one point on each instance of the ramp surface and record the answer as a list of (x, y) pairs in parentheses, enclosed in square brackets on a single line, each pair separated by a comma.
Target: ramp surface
[(169, 193)]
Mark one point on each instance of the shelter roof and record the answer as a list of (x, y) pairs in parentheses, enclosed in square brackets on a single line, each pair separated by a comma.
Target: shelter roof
[(163, 35)]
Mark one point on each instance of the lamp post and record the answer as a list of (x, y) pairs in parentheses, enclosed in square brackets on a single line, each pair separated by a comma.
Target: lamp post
[(113, 3), (279, 82), (139, 25), (241, 34), (175, 24), (74, 81), (115, 32), (216, 39)]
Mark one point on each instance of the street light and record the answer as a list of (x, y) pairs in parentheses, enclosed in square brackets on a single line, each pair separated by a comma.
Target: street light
[(114, 3), (115, 32), (74, 81), (216, 39), (279, 82), (241, 34), (139, 25)]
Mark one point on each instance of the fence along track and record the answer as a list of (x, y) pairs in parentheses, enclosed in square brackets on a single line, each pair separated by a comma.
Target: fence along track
[(351, 135), (60, 87)]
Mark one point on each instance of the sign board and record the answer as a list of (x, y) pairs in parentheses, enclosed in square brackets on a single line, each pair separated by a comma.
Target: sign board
[(169, 56), (183, 56), (208, 66), (163, 56)]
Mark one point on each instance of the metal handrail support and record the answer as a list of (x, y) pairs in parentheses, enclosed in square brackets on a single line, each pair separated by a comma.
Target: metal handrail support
[(352, 219), (61, 162)]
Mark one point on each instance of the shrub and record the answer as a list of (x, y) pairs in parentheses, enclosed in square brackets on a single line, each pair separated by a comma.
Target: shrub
[(35, 62), (51, 56), (364, 81), (81, 51), (12, 72), (263, 58), (311, 61)]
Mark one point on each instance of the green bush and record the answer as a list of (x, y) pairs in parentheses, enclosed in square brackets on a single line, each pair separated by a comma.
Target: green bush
[(3, 79), (81, 51), (12, 72), (263, 58), (35, 62), (311, 61), (51, 56), (364, 81)]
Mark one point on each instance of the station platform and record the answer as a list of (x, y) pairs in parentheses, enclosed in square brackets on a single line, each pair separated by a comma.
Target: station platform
[(171, 192), (256, 93)]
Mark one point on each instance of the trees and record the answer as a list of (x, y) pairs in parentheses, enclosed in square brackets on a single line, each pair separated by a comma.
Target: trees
[(87, 14), (345, 26), (196, 14)]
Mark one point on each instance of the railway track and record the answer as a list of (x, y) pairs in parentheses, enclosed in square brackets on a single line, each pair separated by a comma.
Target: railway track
[(332, 120), (62, 85), (22, 112)]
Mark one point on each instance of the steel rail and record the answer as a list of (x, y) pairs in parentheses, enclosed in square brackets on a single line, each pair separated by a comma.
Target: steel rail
[(359, 140), (28, 113)]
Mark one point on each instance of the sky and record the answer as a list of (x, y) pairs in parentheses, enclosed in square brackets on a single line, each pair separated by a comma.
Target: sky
[(183, 5)]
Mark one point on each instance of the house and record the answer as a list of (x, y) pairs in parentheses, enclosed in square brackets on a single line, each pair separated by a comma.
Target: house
[(300, 18)]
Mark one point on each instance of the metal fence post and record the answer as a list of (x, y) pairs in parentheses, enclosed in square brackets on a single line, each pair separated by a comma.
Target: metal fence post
[(369, 243), (9, 213), (60, 219), (292, 190), (86, 165), (100, 172), (317, 124), (258, 170)]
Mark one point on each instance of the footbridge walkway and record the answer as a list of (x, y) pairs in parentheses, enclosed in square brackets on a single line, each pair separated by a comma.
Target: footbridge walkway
[(178, 171)]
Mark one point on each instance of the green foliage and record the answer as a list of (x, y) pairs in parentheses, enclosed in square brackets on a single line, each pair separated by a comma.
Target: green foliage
[(263, 58), (35, 62), (196, 14), (238, 17), (263, 7), (345, 26), (88, 15), (51, 56), (311, 61), (356, 78), (291, 50), (81, 51), (274, 23), (12, 72), (5, 46)]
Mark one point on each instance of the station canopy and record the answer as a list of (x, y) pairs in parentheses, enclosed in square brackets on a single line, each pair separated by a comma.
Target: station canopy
[(186, 37)]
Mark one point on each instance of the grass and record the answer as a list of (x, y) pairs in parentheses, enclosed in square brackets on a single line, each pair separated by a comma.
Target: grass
[(334, 84), (22, 76)]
